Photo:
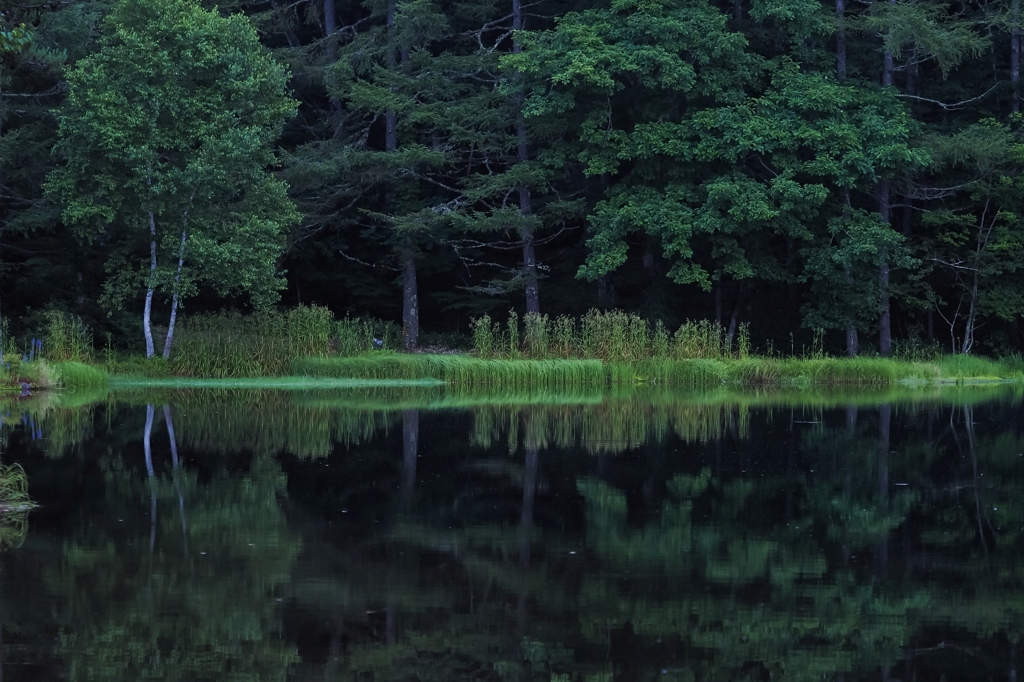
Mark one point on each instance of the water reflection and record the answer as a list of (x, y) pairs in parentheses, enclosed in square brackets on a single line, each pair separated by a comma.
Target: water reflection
[(276, 536)]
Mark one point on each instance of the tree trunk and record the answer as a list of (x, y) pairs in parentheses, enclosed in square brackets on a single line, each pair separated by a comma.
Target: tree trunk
[(525, 199), (174, 298), (147, 313), (841, 40), (1015, 53), (852, 341), (330, 26), (968, 344), (330, 22), (147, 447), (1, 238), (410, 298), (885, 316), (907, 227), (730, 335), (718, 300)]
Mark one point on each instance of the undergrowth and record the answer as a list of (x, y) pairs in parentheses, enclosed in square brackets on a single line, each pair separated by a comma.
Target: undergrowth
[(612, 336)]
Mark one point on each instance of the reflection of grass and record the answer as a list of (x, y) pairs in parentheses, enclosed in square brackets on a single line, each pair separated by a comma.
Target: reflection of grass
[(14, 506)]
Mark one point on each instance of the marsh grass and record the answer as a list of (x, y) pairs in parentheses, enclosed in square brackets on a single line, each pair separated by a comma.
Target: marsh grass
[(67, 338), (611, 336), (974, 368), (456, 369), (79, 376)]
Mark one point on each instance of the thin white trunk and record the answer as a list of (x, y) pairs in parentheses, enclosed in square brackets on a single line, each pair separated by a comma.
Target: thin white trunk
[(147, 314), (174, 297)]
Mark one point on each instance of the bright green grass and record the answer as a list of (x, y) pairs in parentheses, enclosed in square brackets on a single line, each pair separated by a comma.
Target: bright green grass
[(703, 373), (378, 369), (79, 375), (457, 369), (300, 383)]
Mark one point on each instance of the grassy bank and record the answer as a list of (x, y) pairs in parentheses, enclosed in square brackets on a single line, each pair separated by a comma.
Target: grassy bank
[(703, 373), (537, 353), (383, 369)]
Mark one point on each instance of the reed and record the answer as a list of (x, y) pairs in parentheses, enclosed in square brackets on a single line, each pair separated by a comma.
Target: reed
[(67, 338), (457, 369), (611, 336), (261, 344), (971, 367), (79, 376)]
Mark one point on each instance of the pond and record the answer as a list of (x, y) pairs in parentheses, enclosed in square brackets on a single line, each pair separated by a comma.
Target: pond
[(420, 533)]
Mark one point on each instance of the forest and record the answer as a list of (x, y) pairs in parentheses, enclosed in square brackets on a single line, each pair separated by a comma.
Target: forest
[(840, 170)]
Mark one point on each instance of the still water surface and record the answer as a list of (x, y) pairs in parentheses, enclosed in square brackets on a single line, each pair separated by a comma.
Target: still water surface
[(373, 536)]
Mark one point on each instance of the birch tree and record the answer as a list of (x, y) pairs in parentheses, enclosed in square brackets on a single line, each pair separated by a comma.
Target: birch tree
[(166, 141)]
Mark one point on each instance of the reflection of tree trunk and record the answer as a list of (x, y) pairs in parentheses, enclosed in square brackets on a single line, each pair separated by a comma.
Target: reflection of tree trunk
[(147, 311), (526, 527), (177, 474), (969, 425), (851, 430), (884, 422), (391, 624), (148, 449), (410, 451)]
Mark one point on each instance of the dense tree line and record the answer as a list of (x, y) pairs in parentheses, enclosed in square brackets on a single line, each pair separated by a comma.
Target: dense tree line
[(845, 165)]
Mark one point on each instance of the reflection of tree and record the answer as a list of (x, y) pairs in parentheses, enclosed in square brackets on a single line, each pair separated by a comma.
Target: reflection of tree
[(733, 592), (167, 602), (822, 545)]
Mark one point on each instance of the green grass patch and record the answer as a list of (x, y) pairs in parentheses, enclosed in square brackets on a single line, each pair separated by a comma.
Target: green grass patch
[(457, 369), (973, 368), (79, 376), (292, 383)]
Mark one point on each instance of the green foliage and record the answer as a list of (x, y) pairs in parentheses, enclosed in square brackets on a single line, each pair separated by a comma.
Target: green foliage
[(166, 137)]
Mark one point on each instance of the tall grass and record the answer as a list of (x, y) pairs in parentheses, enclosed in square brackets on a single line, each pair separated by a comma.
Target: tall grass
[(67, 338), (265, 344), (612, 336), (456, 369)]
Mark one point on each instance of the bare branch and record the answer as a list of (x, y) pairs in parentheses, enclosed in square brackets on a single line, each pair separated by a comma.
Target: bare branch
[(949, 106)]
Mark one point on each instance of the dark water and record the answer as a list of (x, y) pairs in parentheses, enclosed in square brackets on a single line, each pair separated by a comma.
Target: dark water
[(290, 536)]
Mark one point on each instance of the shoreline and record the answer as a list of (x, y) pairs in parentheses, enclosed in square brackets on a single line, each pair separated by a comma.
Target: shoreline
[(409, 370)]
